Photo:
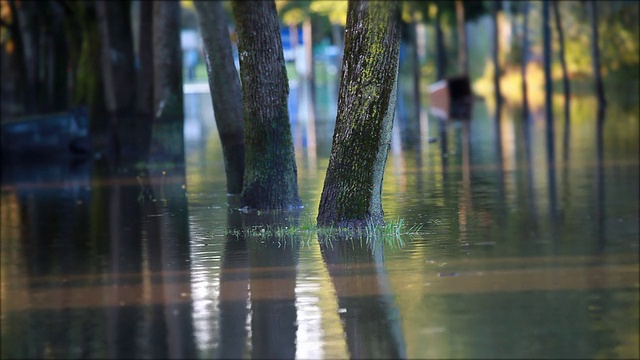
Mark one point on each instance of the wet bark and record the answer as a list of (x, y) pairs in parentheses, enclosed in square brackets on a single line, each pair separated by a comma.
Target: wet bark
[(595, 53), (226, 93), (463, 66), (563, 62), (167, 139), (366, 105), (270, 177)]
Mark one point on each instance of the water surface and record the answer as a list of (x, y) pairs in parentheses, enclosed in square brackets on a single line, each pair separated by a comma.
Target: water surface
[(528, 249)]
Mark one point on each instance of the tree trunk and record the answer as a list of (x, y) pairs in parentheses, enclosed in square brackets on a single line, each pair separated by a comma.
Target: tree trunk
[(546, 54), (270, 177), (352, 193), (563, 62), (415, 61), (167, 140), (595, 53), (145, 58), (441, 51), (114, 22), (88, 89), (496, 54), (226, 94), (463, 63), (525, 57)]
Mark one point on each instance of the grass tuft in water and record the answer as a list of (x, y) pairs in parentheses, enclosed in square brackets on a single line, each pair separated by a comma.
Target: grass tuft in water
[(390, 233)]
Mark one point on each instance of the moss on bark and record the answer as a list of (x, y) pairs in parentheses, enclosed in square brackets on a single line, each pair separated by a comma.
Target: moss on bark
[(352, 190), (270, 176)]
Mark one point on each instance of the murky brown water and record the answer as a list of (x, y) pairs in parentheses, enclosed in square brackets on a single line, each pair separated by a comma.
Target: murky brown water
[(515, 258)]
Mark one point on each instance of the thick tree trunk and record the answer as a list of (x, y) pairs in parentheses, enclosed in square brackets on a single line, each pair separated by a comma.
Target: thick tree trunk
[(463, 63), (595, 52), (563, 62), (226, 93), (496, 54), (352, 193), (167, 140), (270, 177), (441, 51)]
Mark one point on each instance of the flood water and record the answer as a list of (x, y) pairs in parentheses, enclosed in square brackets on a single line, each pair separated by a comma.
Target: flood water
[(527, 249)]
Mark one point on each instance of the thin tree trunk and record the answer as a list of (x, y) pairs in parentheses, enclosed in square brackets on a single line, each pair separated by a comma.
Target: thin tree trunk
[(441, 52), (525, 57), (167, 141), (595, 52), (496, 54), (114, 20), (145, 57), (546, 54), (226, 93), (307, 34), (563, 62), (352, 193), (270, 177), (463, 62), (415, 61)]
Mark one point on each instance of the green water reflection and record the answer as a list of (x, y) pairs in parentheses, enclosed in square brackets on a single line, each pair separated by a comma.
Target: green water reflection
[(521, 255)]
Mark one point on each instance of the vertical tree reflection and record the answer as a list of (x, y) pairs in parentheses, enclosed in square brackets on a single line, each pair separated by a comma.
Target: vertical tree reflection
[(370, 317), (234, 291), (273, 262)]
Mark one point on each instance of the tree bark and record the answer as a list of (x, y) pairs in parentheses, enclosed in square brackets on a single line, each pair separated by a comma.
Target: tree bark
[(226, 94), (270, 177), (595, 53), (167, 140), (352, 193), (563, 62)]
